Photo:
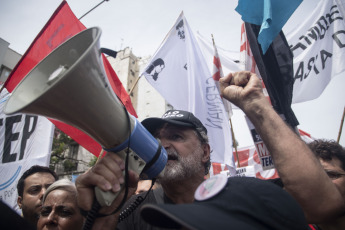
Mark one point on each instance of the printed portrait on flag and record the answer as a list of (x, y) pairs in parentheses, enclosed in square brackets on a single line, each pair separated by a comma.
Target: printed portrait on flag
[(155, 68), (180, 29)]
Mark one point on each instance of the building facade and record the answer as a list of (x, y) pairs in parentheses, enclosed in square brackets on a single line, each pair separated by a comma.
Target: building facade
[(8, 60)]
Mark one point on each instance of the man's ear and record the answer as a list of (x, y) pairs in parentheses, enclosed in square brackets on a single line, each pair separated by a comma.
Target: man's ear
[(19, 201), (206, 156)]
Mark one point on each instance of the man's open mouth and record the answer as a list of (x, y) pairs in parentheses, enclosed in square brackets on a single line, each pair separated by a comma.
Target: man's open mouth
[(172, 157)]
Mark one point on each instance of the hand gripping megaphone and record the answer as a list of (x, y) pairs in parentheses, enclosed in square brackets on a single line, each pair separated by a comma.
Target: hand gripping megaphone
[(71, 85)]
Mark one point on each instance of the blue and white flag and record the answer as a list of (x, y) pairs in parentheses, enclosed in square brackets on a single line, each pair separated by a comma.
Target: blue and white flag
[(25, 140), (180, 74), (271, 15)]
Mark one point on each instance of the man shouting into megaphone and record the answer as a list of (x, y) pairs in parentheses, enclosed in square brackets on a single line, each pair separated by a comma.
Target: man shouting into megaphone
[(185, 139)]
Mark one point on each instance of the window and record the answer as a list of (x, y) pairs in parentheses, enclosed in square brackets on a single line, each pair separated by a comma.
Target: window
[(4, 73)]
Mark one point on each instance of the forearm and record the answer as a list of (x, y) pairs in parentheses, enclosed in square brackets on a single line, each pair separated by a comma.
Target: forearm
[(300, 171)]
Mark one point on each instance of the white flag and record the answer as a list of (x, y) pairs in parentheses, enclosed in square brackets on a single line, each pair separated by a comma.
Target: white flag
[(229, 64), (318, 46), (229, 58), (180, 74), (25, 140)]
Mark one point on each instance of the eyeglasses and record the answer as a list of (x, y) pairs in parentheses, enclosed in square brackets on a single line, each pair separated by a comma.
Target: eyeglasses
[(334, 175)]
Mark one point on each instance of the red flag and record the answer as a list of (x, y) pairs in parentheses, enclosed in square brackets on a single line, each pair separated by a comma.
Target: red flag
[(306, 137), (218, 74), (62, 25), (217, 168), (248, 60), (217, 65)]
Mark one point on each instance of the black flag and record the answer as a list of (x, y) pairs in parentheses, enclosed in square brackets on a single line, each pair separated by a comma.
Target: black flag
[(276, 70)]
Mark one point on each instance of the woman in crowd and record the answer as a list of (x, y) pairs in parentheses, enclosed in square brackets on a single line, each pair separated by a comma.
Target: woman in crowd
[(60, 207)]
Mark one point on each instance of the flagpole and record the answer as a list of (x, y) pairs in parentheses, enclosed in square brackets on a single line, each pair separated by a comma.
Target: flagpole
[(234, 143), (2, 87), (135, 83), (93, 9), (341, 126), (100, 155)]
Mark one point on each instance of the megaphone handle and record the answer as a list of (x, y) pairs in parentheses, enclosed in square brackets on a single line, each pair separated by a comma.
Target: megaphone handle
[(102, 199), (110, 52), (134, 163), (106, 198)]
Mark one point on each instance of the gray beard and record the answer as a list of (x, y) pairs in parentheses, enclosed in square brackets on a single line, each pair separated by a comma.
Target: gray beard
[(182, 167)]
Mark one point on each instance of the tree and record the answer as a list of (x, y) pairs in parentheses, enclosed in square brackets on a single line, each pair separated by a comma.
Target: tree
[(60, 145), (65, 153)]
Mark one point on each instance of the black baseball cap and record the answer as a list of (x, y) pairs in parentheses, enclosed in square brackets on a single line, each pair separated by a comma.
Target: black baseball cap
[(231, 203), (175, 117)]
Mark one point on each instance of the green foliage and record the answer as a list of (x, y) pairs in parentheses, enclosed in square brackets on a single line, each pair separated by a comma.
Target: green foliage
[(60, 144), (93, 161), (64, 156), (69, 165)]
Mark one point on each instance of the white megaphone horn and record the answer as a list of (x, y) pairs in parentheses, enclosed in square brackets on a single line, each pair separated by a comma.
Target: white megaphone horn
[(71, 85)]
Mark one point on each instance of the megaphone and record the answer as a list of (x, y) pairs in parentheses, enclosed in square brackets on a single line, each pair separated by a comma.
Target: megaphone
[(71, 85)]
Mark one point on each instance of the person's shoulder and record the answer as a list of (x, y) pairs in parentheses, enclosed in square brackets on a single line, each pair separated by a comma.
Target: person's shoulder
[(13, 220), (139, 199), (130, 213), (253, 182), (132, 206)]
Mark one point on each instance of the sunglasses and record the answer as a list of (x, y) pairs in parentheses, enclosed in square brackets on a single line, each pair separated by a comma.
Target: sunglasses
[(334, 175)]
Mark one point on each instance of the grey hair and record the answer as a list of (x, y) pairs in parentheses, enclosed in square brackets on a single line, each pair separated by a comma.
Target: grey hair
[(203, 138), (202, 135), (63, 184)]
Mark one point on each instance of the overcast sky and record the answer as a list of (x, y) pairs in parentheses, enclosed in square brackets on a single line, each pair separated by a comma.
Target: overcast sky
[(142, 25)]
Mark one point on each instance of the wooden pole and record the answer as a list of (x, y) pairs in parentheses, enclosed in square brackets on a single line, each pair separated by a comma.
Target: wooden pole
[(232, 130), (135, 83), (234, 143), (2, 87), (92, 9), (341, 126), (100, 155)]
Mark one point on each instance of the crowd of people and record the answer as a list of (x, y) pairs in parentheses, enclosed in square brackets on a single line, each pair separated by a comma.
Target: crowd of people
[(313, 178)]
